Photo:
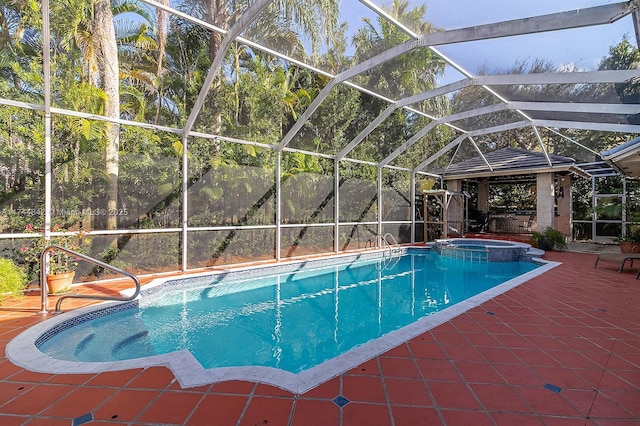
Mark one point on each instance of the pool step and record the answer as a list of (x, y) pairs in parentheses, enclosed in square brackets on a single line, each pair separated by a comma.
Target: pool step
[(134, 338), (535, 252), (82, 345)]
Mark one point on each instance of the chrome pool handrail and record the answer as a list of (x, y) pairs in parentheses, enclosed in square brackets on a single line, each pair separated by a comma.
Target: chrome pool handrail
[(391, 244), (382, 241), (43, 280)]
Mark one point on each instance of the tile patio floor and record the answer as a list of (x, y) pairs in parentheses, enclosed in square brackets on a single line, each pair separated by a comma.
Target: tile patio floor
[(561, 349)]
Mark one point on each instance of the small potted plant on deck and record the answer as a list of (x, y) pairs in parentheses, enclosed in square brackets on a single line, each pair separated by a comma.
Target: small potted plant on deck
[(62, 265)]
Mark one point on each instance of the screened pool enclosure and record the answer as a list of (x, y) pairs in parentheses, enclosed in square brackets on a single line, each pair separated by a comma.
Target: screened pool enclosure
[(185, 134)]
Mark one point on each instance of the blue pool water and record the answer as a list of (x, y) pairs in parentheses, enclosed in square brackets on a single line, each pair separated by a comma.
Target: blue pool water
[(291, 322)]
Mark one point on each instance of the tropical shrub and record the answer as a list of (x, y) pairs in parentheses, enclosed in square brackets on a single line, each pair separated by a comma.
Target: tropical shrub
[(549, 239), (12, 279)]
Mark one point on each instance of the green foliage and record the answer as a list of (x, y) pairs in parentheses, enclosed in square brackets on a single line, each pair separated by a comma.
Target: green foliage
[(631, 237), (518, 196), (12, 279), (610, 208), (415, 71), (582, 203), (110, 255), (334, 123), (624, 56)]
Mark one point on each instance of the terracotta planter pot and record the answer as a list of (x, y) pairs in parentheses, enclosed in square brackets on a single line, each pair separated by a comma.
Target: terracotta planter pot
[(60, 283), (627, 246)]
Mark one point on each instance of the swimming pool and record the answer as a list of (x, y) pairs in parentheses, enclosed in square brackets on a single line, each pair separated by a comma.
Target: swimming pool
[(294, 329)]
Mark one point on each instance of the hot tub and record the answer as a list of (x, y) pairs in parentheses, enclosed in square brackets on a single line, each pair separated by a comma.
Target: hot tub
[(488, 250)]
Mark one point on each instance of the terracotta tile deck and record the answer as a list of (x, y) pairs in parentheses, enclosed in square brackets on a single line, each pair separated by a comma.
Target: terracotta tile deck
[(561, 349)]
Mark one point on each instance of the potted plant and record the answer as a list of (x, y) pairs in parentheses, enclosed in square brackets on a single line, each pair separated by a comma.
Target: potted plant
[(549, 239), (62, 265), (630, 243)]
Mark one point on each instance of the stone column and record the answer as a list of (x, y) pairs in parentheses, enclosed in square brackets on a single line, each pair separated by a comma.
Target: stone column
[(455, 216), (545, 201), (564, 221), (483, 195)]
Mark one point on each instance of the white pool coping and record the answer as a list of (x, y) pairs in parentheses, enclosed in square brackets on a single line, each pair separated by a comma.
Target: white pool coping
[(189, 372)]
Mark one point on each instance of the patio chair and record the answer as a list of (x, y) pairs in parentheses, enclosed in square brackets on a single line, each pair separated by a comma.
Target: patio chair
[(524, 226), (621, 258)]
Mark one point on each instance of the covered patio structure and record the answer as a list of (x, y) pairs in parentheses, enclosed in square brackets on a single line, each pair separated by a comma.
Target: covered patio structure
[(549, 180)]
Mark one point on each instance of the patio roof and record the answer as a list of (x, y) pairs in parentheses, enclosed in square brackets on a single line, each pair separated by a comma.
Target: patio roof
[(625, 157), (509, 161)]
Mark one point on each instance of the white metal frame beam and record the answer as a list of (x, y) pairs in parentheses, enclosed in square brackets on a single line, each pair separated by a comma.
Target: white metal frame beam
[(457, 141), (544, 148), (636, 23), (581, 125), (247, 17), (444, 120), (475, 145), (629, 128), (577, 108), (598, 15), (351, 72), (595, 77), (590, 16)]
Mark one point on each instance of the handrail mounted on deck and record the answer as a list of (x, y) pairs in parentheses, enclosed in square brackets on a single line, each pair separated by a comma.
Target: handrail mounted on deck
[(382, 241), (388, 241), (388, 236), (43, 280)]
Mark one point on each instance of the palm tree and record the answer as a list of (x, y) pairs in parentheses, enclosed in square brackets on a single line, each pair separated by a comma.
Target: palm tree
[(19, 47), (412, 73), (317, 19), (84, 36), (108, 67), (143, 54), (89, 27)]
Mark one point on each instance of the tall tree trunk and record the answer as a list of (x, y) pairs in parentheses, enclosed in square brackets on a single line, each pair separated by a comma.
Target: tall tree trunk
[(107, 58), (216, 13)]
